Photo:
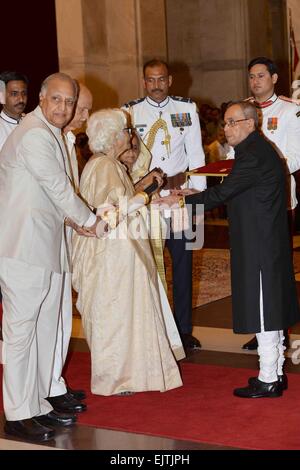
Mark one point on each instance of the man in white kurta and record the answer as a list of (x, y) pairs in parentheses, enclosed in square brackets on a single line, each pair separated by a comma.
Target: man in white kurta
[(36, 195), (16, 86), (14, 100), (58, 384)]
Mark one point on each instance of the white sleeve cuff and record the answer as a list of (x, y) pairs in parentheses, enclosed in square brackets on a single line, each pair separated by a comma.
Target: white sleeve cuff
[(91, 220)]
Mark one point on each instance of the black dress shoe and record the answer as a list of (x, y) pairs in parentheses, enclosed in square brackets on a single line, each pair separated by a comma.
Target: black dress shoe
[(190, 342), (251, 345), (29, 429), (66, 404), (77, 394), (282, 380), (55, 418), (259, 389)]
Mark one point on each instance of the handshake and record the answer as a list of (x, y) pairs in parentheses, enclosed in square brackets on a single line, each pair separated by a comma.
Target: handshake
[(109, 215)]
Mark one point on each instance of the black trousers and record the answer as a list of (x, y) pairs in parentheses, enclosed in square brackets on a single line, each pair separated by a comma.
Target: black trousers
[(182, 282)]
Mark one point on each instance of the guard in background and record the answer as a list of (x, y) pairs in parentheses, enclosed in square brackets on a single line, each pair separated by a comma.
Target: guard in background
[(16, 87), (169, 127)]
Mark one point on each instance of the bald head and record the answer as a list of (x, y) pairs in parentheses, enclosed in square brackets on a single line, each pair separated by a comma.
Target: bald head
[(247, 108), (57, 99), (61, 77), (83, 108)]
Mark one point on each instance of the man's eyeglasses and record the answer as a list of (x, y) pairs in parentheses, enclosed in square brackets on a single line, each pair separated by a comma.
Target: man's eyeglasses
[(233, 122), (130, 130)]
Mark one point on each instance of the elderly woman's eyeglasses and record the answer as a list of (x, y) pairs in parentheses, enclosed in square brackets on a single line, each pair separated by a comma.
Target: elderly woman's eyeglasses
[(233, 122), (130, 130)]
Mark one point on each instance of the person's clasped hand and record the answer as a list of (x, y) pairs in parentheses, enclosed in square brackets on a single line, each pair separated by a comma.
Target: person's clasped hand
[(160, 177), (82, 231), (183, 192), (172, 201), (103, 216)]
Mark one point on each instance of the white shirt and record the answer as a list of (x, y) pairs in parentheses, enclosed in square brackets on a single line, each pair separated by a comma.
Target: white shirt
[(69, 140), (182, 147), (7, 125)]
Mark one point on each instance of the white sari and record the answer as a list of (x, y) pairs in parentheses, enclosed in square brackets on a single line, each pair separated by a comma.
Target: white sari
[(119, 296)]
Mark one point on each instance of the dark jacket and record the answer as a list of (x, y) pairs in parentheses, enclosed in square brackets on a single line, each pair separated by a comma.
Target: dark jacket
[(255, 193)]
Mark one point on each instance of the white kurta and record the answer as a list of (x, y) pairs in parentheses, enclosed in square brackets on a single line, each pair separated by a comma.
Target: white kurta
[(7, 125), (118, 295)]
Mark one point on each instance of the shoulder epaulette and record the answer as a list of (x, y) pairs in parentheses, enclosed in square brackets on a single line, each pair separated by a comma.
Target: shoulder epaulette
[(289, 100), (180, 98), (133, 102)]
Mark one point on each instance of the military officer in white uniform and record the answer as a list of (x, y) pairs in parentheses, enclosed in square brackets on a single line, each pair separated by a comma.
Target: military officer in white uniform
[(280, 123), (169, 126)]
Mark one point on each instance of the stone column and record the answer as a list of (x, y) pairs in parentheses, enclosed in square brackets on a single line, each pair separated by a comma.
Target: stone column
[(70, 44), (105, 42), (211, 43), (207, 44)]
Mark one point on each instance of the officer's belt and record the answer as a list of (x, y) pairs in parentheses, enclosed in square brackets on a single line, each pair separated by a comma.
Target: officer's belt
[(175, 182)]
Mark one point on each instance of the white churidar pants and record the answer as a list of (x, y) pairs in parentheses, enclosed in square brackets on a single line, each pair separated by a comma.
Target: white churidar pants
[(270, 349), (58, 385), (31, 305)]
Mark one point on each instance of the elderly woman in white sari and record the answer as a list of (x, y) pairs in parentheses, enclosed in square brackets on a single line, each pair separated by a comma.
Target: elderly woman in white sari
[(116, 277)]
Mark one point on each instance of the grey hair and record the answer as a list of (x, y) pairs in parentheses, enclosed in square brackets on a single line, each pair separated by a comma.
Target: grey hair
[(59, 76), (103, 128), (248, 109)]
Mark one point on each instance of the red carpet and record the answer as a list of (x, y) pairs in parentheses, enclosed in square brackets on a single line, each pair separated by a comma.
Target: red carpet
[(203, 410)]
